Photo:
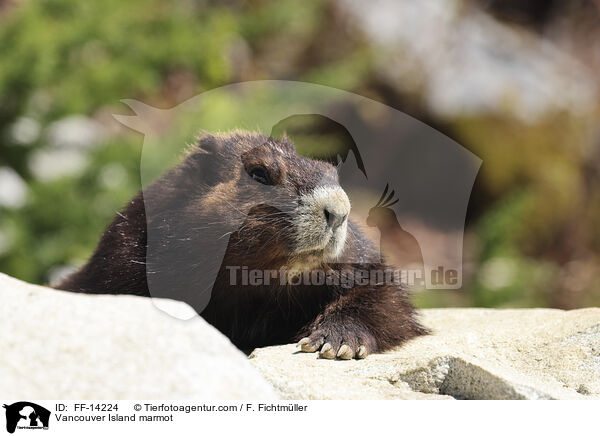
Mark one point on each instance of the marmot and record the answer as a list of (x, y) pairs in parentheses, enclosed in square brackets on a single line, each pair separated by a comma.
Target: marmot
[(219, 181)]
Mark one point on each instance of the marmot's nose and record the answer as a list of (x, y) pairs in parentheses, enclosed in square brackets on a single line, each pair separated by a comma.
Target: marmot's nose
[(334, 220)]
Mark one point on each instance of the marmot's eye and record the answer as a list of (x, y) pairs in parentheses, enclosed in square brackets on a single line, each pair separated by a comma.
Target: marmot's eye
[(260, 175)]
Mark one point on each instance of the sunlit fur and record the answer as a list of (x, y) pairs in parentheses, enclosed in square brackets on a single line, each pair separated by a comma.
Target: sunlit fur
[(313, 235)]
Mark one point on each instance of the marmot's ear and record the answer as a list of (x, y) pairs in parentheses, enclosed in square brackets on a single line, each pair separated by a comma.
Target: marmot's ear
[(207, 143), (202, 158), (287, 141)]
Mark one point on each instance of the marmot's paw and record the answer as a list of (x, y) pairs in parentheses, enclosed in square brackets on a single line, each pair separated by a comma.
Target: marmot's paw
[(344, 341)]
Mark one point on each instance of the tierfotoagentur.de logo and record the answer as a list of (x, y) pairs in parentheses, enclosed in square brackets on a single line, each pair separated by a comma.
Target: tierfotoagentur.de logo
[(409, 197), (24, 415)]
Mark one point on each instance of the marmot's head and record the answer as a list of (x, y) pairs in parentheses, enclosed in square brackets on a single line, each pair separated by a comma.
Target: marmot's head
[(277, 208)]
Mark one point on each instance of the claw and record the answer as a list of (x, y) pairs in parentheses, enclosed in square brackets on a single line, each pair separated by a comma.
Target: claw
[(310, 347), (327, 351), (362, 352), (345, 352), (302, 342)]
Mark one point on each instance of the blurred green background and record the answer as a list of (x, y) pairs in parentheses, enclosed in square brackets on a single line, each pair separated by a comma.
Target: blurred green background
[(515, 82)]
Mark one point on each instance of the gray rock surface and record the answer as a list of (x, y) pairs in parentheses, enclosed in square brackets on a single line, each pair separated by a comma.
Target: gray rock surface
[(473, 354), (60, 345)]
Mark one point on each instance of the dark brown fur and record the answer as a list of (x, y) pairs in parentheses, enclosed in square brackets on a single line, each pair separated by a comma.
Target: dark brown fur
[(204, 189)]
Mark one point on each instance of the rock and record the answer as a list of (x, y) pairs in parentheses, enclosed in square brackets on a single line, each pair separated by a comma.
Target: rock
[(58, 345), (472, 354)]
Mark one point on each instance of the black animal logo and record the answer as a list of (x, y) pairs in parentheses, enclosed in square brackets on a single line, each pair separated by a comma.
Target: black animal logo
[(26, 414), (320, 124), (395, 240)]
